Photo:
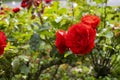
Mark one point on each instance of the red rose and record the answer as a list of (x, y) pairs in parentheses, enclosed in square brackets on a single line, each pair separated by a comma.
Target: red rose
[(15, 10), (91, 20), (2, 13), (28, 3), (2, 42), (60, 41), (80, 38), (24, 3), (48, 1)]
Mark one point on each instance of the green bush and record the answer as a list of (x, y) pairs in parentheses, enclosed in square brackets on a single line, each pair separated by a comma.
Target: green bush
[(31, 54)]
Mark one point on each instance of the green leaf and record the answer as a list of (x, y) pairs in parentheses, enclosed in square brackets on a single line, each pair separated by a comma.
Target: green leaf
[(109, 35), (15, 64), (24, 69), (100, 1), (67, 54), (35, 41)]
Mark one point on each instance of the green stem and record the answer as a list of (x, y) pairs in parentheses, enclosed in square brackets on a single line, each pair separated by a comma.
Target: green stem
[(105, 14), (54, 73), (73, 11), (93, 59)]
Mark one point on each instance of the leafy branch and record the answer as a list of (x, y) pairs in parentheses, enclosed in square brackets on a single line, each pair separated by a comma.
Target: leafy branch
[(44, 67)]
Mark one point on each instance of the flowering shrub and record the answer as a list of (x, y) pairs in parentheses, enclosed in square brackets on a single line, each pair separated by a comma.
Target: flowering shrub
[(47, 41)]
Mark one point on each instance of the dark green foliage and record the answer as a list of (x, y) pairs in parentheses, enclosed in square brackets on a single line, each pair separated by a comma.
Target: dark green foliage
[(35, 41)]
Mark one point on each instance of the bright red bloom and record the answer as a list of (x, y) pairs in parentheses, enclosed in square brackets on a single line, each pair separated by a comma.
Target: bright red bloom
[(24, 3), (2, 13), (2, 42), (91, 20), (48, 1), (15, 10), (29, 3), (60, 41), (80, 38)]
